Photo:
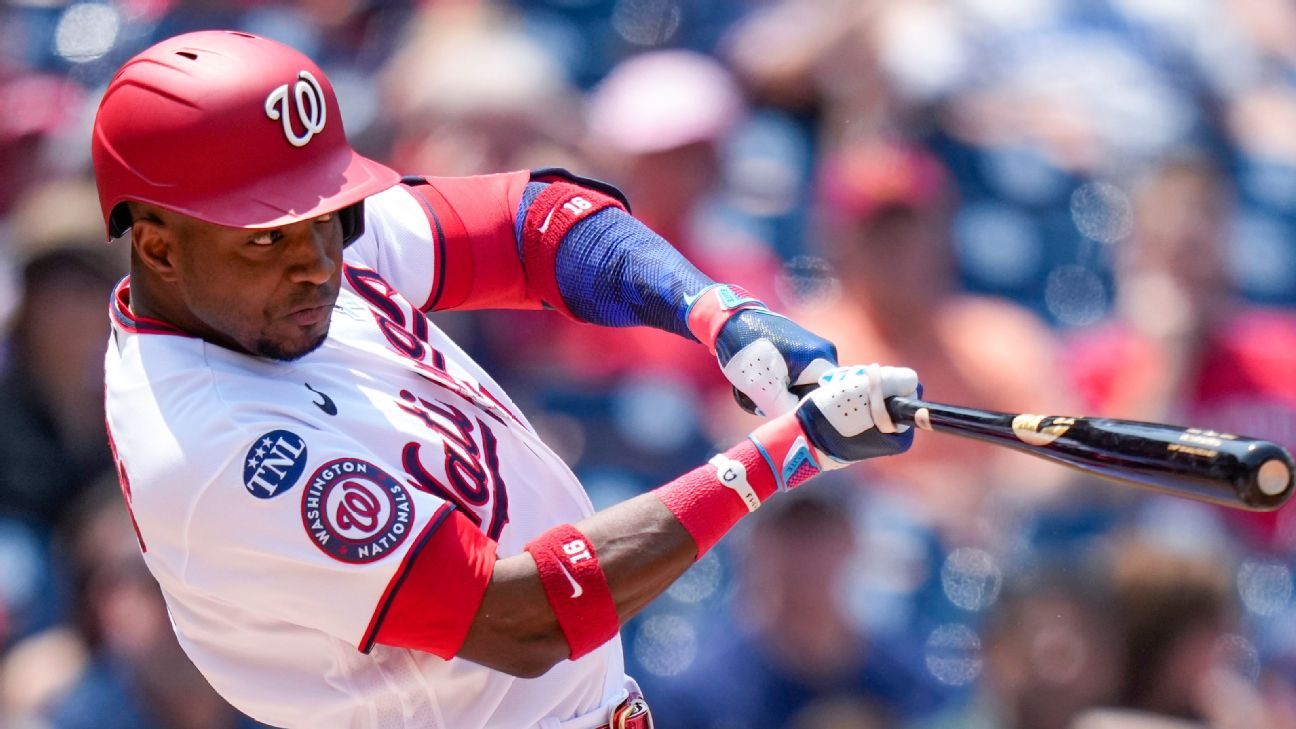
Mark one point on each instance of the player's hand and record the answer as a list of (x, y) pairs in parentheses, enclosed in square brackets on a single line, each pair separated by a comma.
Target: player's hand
[(846, 417), (766, 356), (843, 421)]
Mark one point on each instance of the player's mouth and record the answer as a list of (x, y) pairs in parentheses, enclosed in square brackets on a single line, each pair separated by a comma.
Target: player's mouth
[(311, 316)]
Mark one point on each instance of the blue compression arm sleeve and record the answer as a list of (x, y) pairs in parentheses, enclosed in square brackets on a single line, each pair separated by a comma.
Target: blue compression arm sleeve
[(614, 271)]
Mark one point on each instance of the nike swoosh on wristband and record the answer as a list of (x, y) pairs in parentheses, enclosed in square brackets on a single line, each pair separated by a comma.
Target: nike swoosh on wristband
[(577, 590), (545, 225)]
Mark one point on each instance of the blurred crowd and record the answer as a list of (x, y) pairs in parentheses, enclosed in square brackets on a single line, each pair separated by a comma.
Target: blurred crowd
[(1060, 206)]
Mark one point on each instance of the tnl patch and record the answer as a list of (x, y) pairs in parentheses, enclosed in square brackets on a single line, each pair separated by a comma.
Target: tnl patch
[(355, 512), (274, 463)]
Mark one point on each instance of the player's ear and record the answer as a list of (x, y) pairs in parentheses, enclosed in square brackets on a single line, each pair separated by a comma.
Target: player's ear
[(155, 243)]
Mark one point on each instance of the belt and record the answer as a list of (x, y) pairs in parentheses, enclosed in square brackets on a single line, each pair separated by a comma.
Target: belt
[(632, 713)]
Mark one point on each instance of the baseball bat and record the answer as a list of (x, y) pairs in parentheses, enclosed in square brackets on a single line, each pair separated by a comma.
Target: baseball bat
[(1220, 468), (1235, 471)]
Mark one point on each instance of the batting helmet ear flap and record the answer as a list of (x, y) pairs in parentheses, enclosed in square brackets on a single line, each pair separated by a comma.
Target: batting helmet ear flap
[(119, 221), (353, 222)]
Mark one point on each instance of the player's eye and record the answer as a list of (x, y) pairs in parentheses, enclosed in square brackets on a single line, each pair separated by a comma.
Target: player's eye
[(266, 238)]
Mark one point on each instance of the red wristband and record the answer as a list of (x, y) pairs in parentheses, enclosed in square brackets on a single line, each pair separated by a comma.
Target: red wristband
[(576, 588), (553, 213), (709, 310), (710, 499)]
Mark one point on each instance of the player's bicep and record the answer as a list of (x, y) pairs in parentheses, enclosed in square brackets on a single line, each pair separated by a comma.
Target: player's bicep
[(434, 597), (514, 630)]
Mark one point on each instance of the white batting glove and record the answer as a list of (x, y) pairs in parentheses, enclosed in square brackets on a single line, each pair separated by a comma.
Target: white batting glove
[(843, 421)]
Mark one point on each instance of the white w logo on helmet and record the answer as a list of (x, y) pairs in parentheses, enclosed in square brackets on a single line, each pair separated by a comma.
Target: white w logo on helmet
[(310, 108)]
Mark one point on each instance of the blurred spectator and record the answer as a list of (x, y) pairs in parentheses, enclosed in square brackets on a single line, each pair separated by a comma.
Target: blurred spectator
[(1172, 612), (886, 238), (1050, 653), (35, 672), (658, 120), (1183, 346), (471, 93), (1028, 101), (39, 105), (659, 123), (1175, 616), (134, 675), (52, 438), (791, 655), (1270, 27), (844, 65)]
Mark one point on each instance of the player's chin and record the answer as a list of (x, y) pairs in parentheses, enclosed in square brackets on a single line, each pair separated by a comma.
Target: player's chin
[(293, 346)]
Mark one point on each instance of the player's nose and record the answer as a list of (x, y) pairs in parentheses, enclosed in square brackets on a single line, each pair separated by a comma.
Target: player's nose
[(317, 243)]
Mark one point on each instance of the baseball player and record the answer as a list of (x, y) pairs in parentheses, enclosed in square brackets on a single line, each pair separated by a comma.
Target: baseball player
[(352, 524)]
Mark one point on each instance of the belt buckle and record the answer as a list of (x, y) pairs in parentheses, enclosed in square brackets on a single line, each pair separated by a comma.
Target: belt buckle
[(632, 708)]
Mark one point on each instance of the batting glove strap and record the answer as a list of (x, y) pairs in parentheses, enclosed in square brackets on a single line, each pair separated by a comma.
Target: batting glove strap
[(763, 354), (710, 309), (709, 500), (787, 451), (576, 588)]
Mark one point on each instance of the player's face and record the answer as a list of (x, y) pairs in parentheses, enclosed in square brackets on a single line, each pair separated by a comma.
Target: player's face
[(266, 292)]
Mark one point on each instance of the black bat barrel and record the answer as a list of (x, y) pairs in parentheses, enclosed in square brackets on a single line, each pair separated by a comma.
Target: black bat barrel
[(1234, 471)]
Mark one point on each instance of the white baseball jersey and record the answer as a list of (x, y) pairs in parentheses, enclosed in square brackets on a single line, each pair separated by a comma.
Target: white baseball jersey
[(296, 513)]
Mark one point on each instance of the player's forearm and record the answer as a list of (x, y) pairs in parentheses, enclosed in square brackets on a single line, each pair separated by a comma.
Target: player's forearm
[(642, 550), (615, 271), (610, 269), (577, 584)]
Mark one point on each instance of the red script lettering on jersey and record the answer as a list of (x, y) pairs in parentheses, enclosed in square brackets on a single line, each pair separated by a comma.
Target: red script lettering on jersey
[(472, 469)]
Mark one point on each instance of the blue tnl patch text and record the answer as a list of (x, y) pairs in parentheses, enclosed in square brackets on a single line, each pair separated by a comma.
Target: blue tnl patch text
[(274, 463)]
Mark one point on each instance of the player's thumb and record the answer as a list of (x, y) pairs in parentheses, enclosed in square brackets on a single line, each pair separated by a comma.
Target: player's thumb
[(887, 382), (898, 381)]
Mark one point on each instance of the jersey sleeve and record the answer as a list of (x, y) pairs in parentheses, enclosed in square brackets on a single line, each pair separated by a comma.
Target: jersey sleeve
[(306, 527), (478, 262), (449, 242)]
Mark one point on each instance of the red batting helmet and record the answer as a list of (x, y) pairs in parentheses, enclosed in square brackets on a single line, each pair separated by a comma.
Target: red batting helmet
[(229, 128)]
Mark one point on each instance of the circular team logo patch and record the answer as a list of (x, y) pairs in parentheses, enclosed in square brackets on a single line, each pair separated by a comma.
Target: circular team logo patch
[(274, 463), (355, 512)]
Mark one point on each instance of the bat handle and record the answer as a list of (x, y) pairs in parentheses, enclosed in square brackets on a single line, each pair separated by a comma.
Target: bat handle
[(907, 411)]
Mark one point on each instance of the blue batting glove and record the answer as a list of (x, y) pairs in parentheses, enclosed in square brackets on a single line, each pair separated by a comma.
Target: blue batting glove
[(767, 357)]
